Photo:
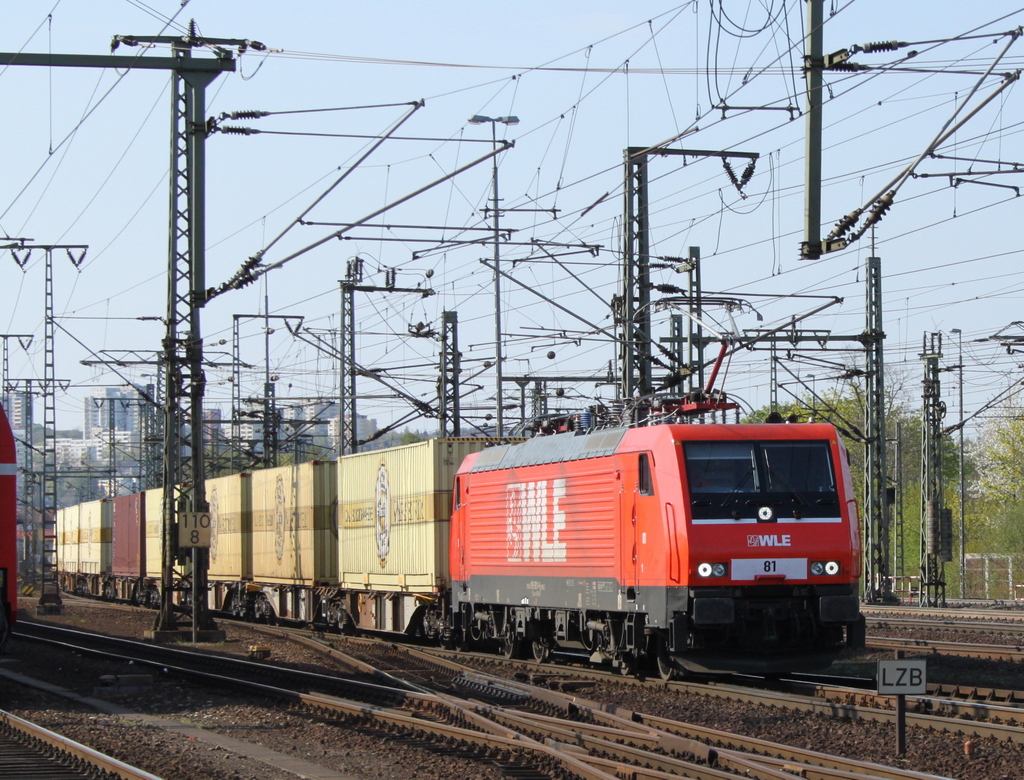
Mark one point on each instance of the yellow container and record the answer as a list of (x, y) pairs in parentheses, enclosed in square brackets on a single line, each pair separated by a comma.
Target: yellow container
[(154, 531), (394, 509), (294, 524), (67, 539), (96, 519), (230, 500)]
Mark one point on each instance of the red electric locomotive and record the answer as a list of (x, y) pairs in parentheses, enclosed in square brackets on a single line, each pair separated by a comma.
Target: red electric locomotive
[(8, 528), (711, 548)]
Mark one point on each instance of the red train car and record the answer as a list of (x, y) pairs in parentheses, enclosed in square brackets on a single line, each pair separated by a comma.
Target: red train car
[(712, 548), (8, 528)]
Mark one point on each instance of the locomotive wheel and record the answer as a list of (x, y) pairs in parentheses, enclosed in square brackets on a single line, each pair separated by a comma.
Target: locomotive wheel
[(627, 665), (667, 668), (456, 640), (476, 631), (541, 650), (511, 647)]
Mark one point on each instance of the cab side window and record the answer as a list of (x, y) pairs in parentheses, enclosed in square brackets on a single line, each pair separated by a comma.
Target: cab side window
[(645, 480)]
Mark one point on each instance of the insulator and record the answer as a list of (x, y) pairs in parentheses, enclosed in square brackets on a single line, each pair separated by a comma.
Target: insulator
[(730, 173), (848, 66), (868, 48), (237, 130), (748, 173), (845, 223), (247, 114), (883, 205)]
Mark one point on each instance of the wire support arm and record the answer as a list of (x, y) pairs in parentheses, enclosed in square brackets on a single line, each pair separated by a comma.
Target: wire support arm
[(253, 269), (882, 201)]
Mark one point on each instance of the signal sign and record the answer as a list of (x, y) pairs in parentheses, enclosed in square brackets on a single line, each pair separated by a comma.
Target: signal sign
[(194, 529)]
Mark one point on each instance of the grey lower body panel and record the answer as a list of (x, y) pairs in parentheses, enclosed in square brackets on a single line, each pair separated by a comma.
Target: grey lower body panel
[(548, 592)]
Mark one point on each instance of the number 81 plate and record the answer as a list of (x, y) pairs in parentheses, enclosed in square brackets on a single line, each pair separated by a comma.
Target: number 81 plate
[(749, 568)]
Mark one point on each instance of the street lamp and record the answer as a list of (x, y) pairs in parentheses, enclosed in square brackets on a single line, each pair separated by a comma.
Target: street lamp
[(960, 425), (477, 119)]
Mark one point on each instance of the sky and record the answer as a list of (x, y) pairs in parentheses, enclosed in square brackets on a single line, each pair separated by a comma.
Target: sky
[(86, 159)]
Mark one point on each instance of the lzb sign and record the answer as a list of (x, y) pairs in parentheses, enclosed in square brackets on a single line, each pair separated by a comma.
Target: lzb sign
[(194, 529), (903, 676)]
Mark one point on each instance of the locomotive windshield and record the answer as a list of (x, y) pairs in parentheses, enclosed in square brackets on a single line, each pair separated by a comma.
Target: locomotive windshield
[(768, 481)]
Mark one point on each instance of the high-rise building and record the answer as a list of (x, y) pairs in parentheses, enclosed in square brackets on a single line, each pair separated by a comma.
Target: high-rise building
[(17, 408)]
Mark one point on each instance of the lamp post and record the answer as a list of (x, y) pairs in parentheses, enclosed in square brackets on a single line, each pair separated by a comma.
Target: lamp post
[(960, 425), (477, 119)]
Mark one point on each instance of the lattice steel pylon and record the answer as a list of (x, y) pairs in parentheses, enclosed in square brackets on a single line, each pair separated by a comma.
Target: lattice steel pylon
[(448, 386), (933, 513), (183, 471), (49, 588), (635, 313), (877, 583)]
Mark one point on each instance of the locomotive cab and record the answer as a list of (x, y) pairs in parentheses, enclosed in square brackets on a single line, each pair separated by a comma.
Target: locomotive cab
[(774, 551)]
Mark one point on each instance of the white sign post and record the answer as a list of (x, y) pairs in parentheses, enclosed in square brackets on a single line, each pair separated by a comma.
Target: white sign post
[(901, 678)]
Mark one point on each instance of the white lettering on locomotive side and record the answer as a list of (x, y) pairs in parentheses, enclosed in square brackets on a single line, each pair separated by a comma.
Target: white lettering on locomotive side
[(769, 540), (533, 531)]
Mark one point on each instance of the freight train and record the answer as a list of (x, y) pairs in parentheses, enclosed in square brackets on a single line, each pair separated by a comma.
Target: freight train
[(8, 529), (709, 548)]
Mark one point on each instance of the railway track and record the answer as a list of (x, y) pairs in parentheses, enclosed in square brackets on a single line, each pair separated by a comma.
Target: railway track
[(532, 729), (993, 713), (28, 750), (1011, 613), (962, 649), (971, 626)]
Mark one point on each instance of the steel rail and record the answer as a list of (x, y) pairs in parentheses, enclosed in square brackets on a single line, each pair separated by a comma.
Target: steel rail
[(92, 758)]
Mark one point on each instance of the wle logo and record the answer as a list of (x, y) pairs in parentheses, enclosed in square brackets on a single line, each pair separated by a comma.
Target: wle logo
[(769, 540)]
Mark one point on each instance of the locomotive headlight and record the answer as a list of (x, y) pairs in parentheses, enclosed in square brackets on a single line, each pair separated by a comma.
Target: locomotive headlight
[(712, 569), (819, 568)]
